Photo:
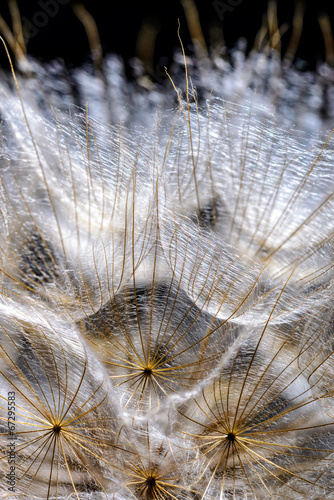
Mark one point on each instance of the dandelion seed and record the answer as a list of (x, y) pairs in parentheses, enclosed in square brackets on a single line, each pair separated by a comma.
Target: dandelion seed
[(259, 429), (155, 471), (154, 341), (65, 424)]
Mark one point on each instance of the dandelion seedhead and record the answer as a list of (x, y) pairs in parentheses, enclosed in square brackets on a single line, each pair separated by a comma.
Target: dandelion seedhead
[(166, 278)]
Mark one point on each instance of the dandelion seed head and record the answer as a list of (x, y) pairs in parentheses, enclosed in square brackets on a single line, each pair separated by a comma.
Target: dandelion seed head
[(166, 280)]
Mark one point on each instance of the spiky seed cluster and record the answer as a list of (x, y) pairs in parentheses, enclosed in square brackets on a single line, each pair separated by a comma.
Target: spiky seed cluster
[(166, 308)]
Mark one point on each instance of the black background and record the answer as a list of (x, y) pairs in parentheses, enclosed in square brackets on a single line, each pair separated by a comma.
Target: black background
[(119, 24)]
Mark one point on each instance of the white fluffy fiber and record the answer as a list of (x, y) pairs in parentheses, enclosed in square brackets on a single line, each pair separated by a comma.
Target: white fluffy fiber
[(166, 307)]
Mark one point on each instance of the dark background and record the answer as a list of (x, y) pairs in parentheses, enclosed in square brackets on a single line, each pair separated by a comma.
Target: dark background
[(119, 25)]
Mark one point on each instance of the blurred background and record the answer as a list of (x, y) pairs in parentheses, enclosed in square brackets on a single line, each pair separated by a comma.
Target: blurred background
[(149, 30)]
